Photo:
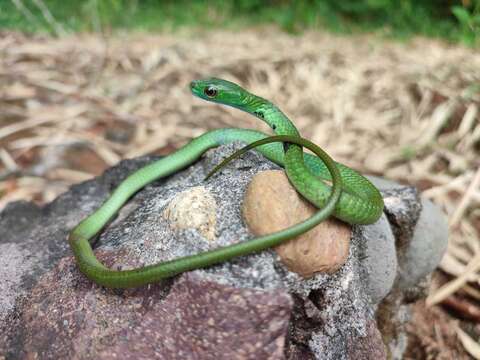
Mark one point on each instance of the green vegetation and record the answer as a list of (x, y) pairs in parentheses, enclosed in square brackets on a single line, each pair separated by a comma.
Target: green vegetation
[(453, 20)]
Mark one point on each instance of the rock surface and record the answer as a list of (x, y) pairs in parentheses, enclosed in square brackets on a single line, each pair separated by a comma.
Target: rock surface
[(421, 232), (379, 259), (252, 307), (422, 246), (429, 243)]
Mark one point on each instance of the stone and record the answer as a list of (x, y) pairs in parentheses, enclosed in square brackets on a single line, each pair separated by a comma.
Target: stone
[(379, 260), (272, 204), (421, 234), (221, 324), (428, 245), (422, 238), (249, 307), (402, 212), (369, 347), (193, 318)]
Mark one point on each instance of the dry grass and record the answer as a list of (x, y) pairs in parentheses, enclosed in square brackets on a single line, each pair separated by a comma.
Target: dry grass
[(409, 112)]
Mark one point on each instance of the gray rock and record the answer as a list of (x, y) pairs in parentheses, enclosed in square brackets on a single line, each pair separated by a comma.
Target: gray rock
[(33, 238), (381, 183), (379, 259), (422, 239), (427, 246), (402, 207), (421, 234), (251, 307)]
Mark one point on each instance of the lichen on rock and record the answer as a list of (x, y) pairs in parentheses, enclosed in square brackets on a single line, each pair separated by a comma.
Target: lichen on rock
[(194, 208)]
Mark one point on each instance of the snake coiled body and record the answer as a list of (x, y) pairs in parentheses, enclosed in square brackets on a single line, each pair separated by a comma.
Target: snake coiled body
[(351, 198)]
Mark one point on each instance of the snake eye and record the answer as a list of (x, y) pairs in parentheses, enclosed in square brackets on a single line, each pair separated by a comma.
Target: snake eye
[(210, 91)]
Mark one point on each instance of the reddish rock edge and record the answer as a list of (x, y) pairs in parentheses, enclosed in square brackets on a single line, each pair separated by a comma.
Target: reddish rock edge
[(69, 317)]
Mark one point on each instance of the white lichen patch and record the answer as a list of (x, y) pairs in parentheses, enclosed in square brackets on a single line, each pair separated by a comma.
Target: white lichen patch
[(194, 208)]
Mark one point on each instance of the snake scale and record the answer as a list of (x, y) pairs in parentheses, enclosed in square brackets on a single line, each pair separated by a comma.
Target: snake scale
[(351, 197)]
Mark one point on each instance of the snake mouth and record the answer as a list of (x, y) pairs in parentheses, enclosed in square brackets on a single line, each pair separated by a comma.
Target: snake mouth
[(196, 88)]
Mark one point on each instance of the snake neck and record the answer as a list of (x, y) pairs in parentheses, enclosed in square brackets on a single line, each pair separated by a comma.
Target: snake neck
[(269, 113)]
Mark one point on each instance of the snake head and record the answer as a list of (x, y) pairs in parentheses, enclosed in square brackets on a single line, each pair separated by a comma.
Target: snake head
[(219, 91), (227, 93)]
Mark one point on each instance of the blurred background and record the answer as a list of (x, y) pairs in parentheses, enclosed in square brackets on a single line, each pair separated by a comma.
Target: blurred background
[(390, 88)]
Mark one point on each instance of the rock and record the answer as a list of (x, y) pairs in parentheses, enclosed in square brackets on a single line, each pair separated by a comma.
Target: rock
[(34, 239), (369, 347), (194, 318), (421, 251), (224, 322), (421, 233), (315, 331), (12, 267), (402, 212), (379, 259), (428, 245), (422, 239), (251, 307), (271, 204)]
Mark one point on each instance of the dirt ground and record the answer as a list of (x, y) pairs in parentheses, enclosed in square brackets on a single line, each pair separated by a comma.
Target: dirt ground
[(73, 106)]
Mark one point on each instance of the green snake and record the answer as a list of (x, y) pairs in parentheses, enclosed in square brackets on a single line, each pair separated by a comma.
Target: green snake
[(351, 198)]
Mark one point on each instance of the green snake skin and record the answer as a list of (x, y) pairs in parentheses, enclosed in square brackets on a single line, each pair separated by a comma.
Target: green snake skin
[(351, 198)]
